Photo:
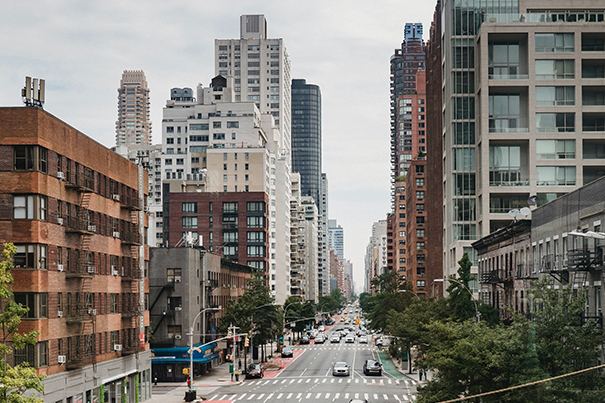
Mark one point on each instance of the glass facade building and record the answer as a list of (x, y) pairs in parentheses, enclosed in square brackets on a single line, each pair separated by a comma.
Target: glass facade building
[(306, 137)]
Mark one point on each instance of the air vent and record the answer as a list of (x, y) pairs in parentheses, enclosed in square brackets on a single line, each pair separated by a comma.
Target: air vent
[(61, 359), (117, 347)]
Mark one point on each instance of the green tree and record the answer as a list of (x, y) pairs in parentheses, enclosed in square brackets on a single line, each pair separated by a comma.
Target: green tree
[(239, 313), (302, 314), (15, 380)]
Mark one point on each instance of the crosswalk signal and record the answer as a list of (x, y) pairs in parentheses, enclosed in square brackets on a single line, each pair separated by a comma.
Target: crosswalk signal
[(229, 333)]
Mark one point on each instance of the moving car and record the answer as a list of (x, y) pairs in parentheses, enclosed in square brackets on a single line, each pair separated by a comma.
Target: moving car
[(305, 340), (254, 371), (335, 339), (363, 339), (350, 339), (378, 342), (341, 368), (287, 352), (320, 339), (372, 367)]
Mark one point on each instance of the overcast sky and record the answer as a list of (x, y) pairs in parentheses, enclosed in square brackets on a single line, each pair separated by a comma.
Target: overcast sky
[(82, 47)]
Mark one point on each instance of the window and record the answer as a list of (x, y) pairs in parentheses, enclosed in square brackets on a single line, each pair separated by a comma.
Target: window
[(553, 176), (255, 207), (504, 112), (29, 207), (216, 125), (554, 69), (419, 245), (504, 165), (419, 194), (419, 181), (168, 161), (189, 222), (233, 124), (190, 208), (174, 302), (218, 136), (37, 303), (464, 108), (555, 122), (503, 59), (420, 233), (420, 220), (169, 129), (554, 42), (255, 222), (420, 283), (173, 275), (554, 96), (174, 330), (30, 158), (255, 236), (230, 208), (464, 184), (255, 251), (555, 149), (180, 161), (30, 257), (419, 207), (113, 303)]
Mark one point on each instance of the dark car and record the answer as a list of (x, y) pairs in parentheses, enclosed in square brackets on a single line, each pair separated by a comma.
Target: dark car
[(372, 367), (305, 340), (287, 352), (254, 371)]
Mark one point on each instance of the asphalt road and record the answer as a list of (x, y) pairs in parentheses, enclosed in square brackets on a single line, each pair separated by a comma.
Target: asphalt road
[(308, 377)]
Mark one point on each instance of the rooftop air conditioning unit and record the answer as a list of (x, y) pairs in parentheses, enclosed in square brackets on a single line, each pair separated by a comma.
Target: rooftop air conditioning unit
[(116, 198), (177, 337), (117, 347), (60, 176), (60, 314), (116, 234), (61, 359), (92, 269), (60, 267), (60, 220)]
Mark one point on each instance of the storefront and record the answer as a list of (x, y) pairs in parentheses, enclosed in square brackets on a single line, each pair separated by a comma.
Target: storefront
[(167, 364)]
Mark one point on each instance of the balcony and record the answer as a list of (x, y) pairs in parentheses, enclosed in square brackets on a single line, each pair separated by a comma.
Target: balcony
[(80, 183), (80, 270), (585, 260), (76, 225)]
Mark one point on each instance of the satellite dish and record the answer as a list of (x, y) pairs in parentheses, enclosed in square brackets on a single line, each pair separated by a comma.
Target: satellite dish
[(513, 213), (525, 211)]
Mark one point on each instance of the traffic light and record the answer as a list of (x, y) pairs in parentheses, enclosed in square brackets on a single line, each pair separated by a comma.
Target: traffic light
[(247, 342), (229, 333)]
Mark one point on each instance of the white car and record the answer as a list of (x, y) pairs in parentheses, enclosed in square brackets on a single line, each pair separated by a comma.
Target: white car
[(341, 368), (363, 339), (350, 339)]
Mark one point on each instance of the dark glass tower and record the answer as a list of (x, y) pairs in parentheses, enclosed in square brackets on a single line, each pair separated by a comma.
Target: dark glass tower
[(306, 137)]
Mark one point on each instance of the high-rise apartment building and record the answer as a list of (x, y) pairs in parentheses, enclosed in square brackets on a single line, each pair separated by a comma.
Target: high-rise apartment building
[(407, 127), (261, 70), (134, 124), (376, 253), (336, 236), (75, 212), (306, 137), (522, 108), (323, 254)]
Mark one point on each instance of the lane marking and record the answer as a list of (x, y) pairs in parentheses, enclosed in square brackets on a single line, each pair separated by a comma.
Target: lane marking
[(308, 396), (249, 397), (289, 396), (279, 396), (260, 396), (299, 395), (385, 397)]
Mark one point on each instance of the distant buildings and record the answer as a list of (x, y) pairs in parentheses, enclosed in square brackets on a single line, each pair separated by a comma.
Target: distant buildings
[(133, 126), (336, 238), (376, 259), (323, 256), (75, 212)]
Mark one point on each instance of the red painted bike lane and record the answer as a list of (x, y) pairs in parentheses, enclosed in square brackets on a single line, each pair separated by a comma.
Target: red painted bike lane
[(283, 363)]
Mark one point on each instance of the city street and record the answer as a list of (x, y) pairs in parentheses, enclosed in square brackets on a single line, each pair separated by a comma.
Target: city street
[(308, 377)]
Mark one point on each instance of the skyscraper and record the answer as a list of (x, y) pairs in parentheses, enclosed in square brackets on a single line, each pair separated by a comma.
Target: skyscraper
[(521, 114), (306, 137), (336, 236), (133, 126), (261, 70), (323, 255), (407, 130)]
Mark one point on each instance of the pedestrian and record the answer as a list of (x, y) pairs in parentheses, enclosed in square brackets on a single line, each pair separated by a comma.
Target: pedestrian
[(155, 381), (239, 363), (189, 382)]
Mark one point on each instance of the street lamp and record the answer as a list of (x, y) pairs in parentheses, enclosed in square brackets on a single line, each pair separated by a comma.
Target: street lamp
[(588, 234), (409, 291), (191, 340), (441, 280), (284, 322)]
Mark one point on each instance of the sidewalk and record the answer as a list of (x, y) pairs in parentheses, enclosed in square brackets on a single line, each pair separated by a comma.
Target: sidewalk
[(414, 376), (174, 392)]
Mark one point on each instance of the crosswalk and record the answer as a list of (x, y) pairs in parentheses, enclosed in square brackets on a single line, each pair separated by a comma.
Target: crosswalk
[(329, 396), (332, 347), (379, 381)]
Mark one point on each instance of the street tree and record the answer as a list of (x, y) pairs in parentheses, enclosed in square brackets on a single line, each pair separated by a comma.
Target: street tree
[(18, 383)]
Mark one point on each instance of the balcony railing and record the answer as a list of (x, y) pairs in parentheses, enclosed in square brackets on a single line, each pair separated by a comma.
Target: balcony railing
[(508, 76)]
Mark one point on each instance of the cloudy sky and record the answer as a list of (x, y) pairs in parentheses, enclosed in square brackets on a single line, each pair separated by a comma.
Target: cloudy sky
[(82, 47)]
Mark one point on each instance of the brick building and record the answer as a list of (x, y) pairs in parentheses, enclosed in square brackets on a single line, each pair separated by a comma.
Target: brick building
[(74, 209)]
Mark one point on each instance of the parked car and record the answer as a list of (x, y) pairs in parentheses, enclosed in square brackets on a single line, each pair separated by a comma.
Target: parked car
[(372, 367), (341, 368), (254, 371), (305, 340), (287, 352)]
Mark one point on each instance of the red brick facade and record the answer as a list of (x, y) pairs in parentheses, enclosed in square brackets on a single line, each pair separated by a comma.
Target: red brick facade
[(72, 208)]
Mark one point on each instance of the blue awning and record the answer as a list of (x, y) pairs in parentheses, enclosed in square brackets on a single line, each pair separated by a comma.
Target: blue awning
[(201, 354)]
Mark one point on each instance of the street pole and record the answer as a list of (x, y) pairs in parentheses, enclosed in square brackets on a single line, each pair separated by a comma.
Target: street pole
[(191, 340)]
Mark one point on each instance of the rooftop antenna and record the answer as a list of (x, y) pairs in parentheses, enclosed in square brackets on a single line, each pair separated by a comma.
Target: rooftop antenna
[(34, 92)]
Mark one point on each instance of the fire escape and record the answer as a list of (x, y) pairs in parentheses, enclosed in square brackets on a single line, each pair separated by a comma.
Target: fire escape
[(81, 269)]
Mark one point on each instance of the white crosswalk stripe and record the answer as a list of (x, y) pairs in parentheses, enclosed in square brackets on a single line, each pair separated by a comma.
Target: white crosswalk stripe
[(356, 395), (224, 397), (316, 380), (336, 396), (308, 396), (356, 380), (289, 396), (260, 396), (324, 380), (340, 381), (405, 397), (365, 396), (299, 395), (333, 380), (346, 395), (275, 381), (385, 397), (249, 397), (397, 398), (327, 395), (242, 396), (299, 381), (308, 380), (318, 395), (279, 396), (269, 397), (214, 397), (292, 381)]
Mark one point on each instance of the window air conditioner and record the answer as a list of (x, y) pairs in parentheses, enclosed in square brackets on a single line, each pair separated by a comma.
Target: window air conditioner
[(92, 269), (117, 347), (116, 234), (60, 267), (60, 175), (60, 314), (61, 359), (116, 198), (92, 228), (60, 220), (114, 271), (178, 308), (177, 337)]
